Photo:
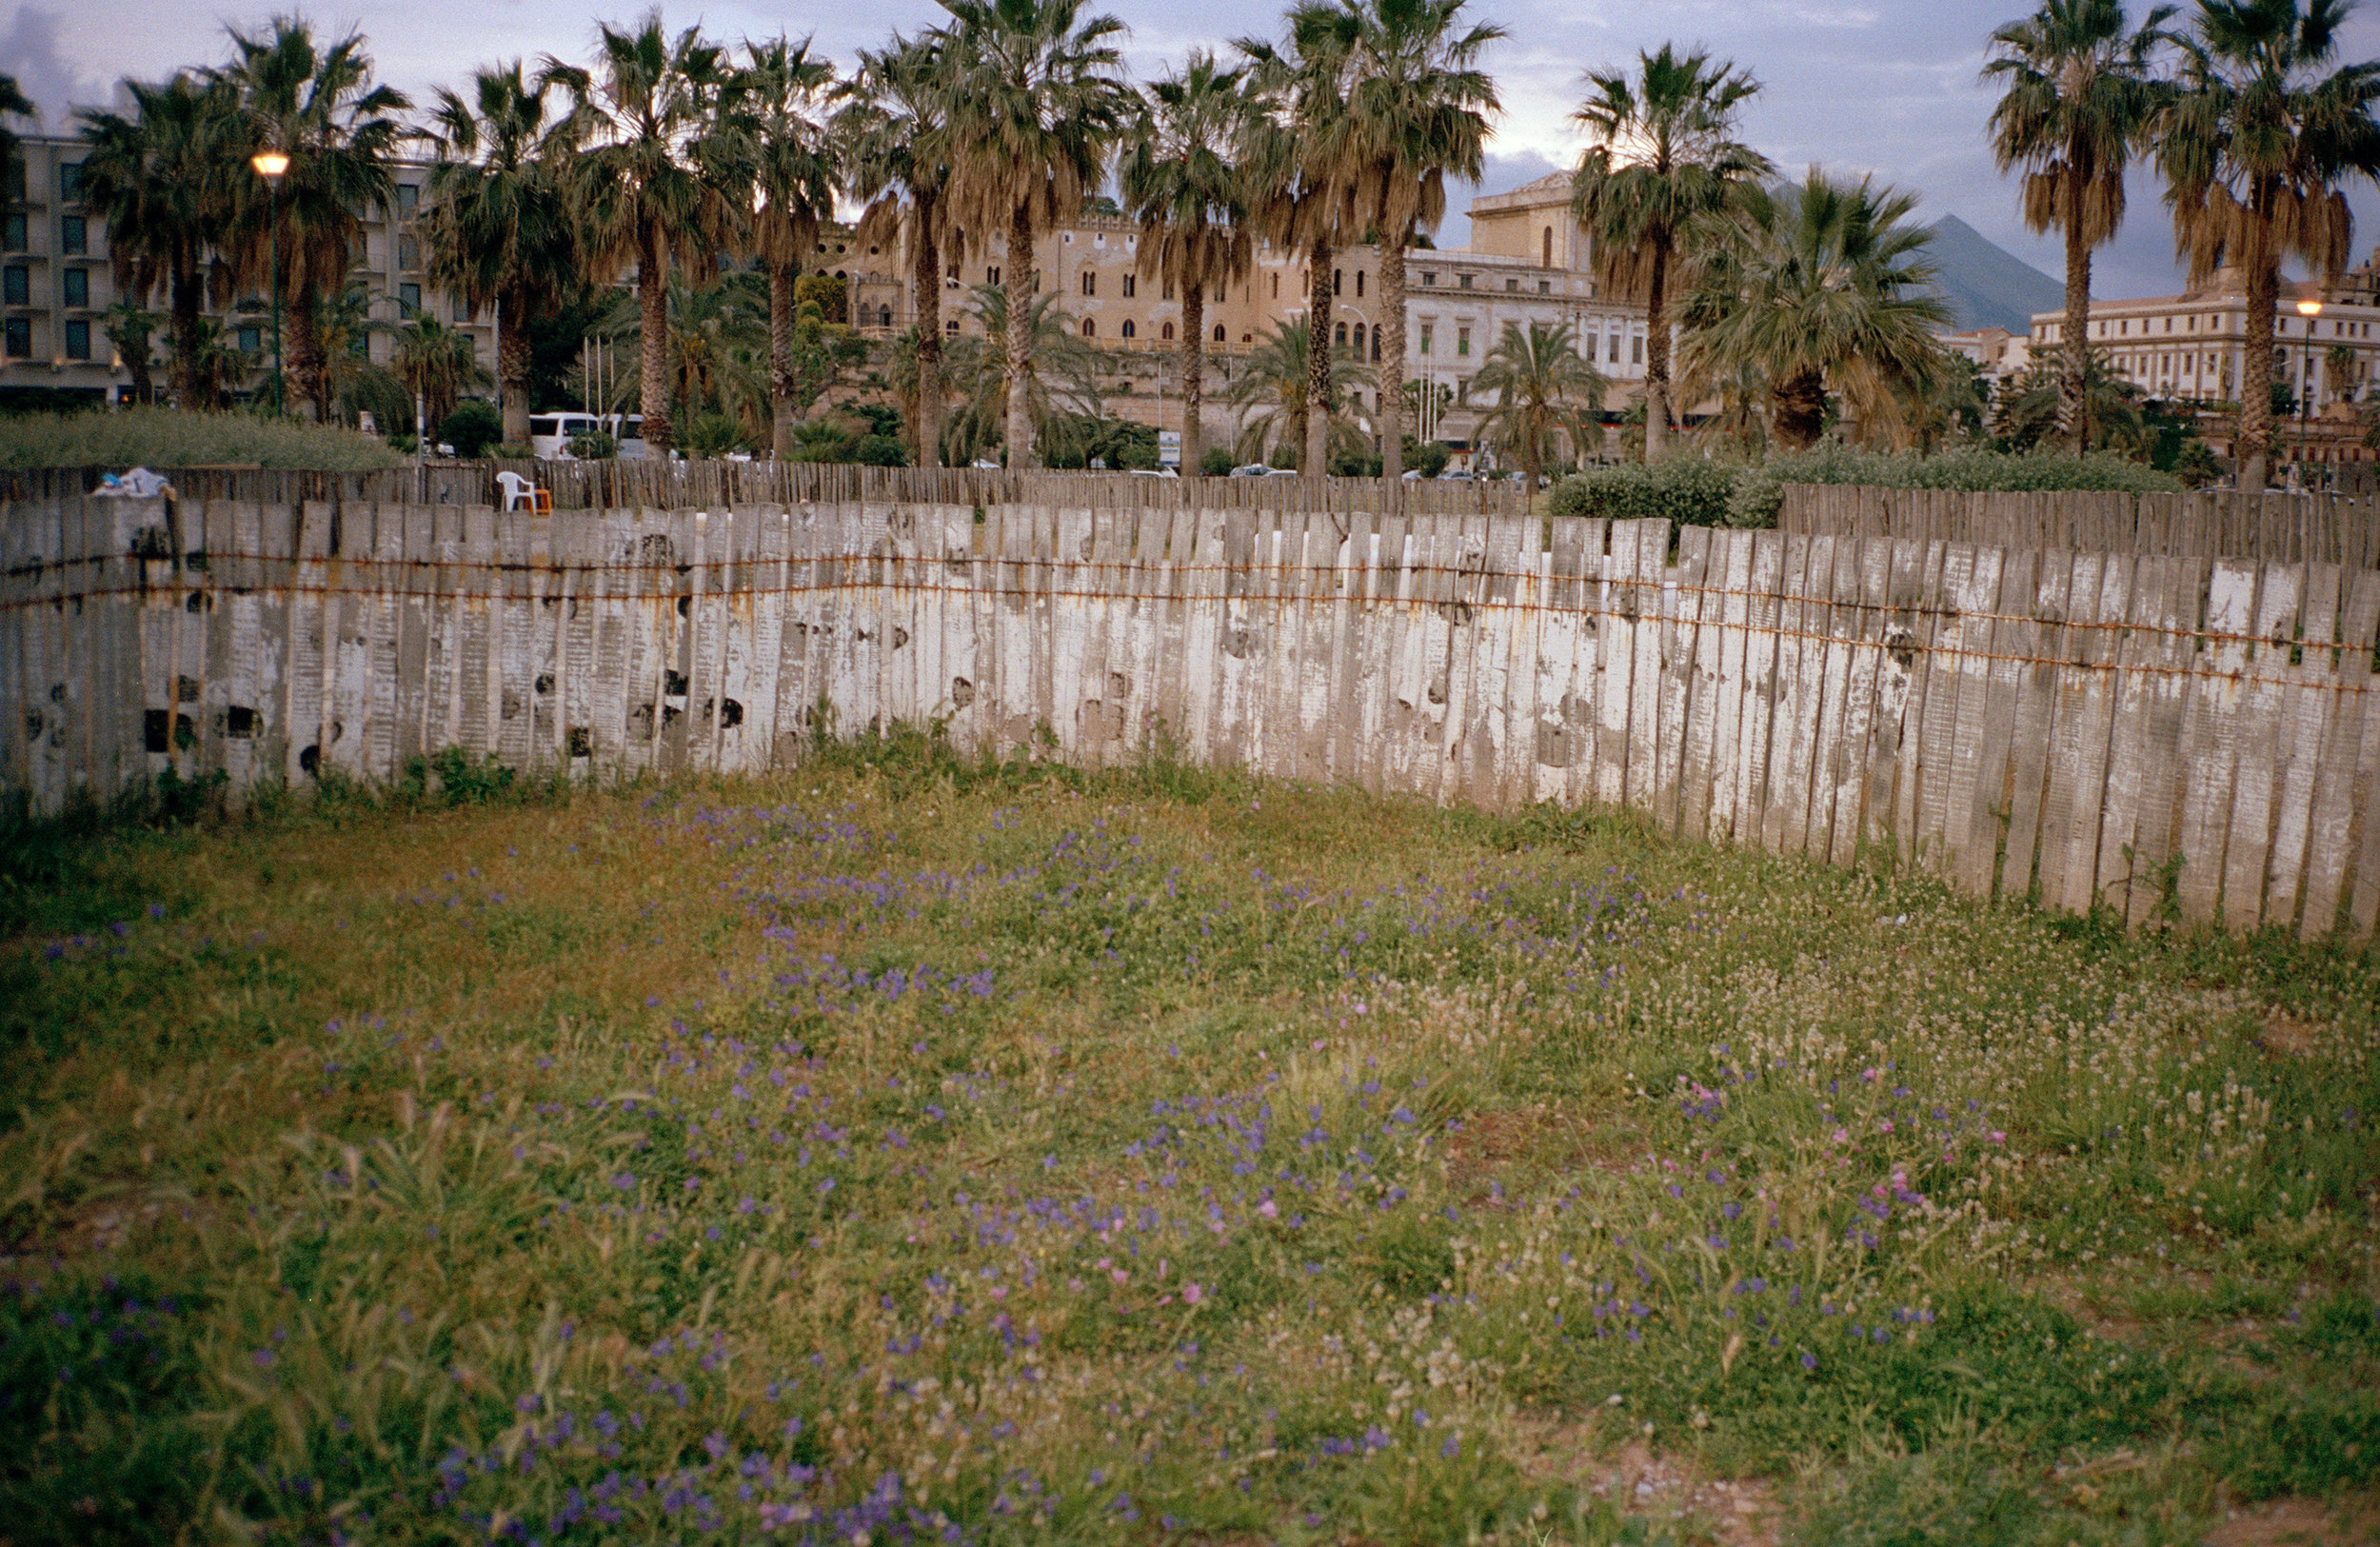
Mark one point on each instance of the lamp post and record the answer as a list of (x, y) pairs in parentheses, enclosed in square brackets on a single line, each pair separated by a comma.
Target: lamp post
[(2307, 312), (270, 166)]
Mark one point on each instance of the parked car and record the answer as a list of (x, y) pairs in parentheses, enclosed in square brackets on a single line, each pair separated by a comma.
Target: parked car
[(1253, 470), (1454, 475)]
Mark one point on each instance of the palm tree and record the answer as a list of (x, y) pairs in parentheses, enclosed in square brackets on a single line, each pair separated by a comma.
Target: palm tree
[(437, 364), (1037, 103), (13, 103), (1421, 106), (2025, 412), (319, 106), (1663, 157), (2339, 371), (2075, 109), (1279, 378), (161, 180), (657, 188), (1304, 165), (898, 128), (2253, 148), (1815, 289), (781, 93), (501, 229), (206, 364), (1181, 184), (1540, 385), (132, 328), (1064, 382)]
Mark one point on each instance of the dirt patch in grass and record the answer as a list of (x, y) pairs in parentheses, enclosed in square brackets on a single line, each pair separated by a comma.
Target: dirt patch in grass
[(1520, 1145), (2299, 1522)]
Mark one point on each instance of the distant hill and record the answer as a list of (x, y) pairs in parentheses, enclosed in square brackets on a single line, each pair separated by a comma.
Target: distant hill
[(1987, 285)]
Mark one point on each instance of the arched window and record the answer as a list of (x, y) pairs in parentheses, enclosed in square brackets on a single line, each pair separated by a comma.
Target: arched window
[(1359, 341), (883, 316), (1127, 329), (1090, 282), (1166, 331), (1220, 335), (1090, 328), (1337, 277), (1549, 247), (1341, 335), (1376, 344), (1276, 287), (1358, 283), (951, 327)]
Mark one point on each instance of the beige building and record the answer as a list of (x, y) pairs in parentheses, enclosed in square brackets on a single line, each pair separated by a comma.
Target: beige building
[(1996, 351), (56, 285), (1528, 261)]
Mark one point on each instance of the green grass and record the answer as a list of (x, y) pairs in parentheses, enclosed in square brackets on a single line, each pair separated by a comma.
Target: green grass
[(172, 438), (910, 1144)]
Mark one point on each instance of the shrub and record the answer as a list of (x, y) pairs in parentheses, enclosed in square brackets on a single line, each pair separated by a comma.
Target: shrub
[(1689, 489), (593, 446), (713, 435), (176, 438), (471, 426), (1693, 490), (881, 451), (1215, 462)]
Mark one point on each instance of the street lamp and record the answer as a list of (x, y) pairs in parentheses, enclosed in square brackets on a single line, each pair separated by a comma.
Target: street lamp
[(271, 165), (2307, 310)]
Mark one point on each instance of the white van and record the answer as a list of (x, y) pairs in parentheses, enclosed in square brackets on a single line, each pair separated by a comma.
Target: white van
[(550, 434)]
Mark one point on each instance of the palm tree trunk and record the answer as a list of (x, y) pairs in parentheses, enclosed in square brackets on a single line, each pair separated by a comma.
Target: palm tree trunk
[(1800, 410), (2254, 448), (306, 356), (928, 277), (1390, 378), (652, 303), (2074, 414), (1656, 352), (1193, 356), (781, 360), (190, 293), (1317, 437), (1020, 289), (514, 362)]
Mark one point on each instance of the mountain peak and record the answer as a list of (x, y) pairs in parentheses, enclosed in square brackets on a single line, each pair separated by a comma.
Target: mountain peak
[(1986, 285)]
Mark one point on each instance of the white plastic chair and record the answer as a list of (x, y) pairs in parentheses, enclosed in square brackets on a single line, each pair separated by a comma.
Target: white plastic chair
[(516, 490)]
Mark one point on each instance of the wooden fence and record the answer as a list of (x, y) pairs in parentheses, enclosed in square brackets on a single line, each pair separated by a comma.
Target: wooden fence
[(2277, 528), (2090, 726), (614, 483)]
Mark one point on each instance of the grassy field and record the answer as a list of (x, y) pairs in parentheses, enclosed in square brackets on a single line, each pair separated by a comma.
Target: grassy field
[(913, 1151)]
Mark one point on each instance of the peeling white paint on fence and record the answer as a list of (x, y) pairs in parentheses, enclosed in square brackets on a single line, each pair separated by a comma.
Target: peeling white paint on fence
[(2118, 728)]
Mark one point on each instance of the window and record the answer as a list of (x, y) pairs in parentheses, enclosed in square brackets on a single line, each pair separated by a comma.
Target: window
[(16, 286), (1635, 350), (2124, 328), (1429, 278), (78, 339), (951, 327), (883, 316), (1128, 328), (12, 232), (20, 338), (2168, 324), (408, 199), (409, 253), (1339, 281), (74, 234), (1545, 287), (1168, 294), (1513, 286), (1614, 349), (251, 339), (1276, 287), (1425, 338), (1358, 283), (1090, 282), (1339, 337), (1220, 335), (69, 181), (409, 299), (74, 286), (462, 311), (13, 180), (1130, 286), (991, 275), (1090, 328), (1166, 331), (1462, 341), (1376, 344), (1547, 260), (1462, 281), (1359, 341)]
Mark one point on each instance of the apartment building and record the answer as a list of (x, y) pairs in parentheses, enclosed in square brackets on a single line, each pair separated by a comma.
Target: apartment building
[(56, 282), (1996, 351)]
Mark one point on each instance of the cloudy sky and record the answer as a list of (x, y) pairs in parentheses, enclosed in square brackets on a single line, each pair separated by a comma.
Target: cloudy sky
[(1888, 86)]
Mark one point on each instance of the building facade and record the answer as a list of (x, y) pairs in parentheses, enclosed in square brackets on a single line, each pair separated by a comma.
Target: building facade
[(56, 282)]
